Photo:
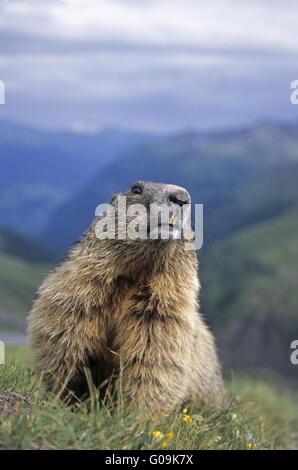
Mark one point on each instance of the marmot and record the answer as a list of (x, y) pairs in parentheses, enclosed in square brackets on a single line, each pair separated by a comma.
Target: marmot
[(132, 302)]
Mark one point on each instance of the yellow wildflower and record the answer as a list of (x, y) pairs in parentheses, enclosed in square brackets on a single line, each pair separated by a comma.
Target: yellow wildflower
[(157, 434), (187, 419), (249, 446), (167, 440), (185, 410)]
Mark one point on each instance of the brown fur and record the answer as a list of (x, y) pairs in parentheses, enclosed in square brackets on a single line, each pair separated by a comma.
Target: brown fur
[(135, 299)]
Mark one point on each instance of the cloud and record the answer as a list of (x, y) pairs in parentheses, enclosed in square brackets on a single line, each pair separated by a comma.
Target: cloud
[(158, 22), (152, 63)]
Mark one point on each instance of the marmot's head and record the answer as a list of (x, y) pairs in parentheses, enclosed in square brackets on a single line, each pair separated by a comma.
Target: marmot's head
[(159, 193), (151, 211)]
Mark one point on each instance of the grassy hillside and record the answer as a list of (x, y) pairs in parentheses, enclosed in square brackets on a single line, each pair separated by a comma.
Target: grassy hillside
[(19, 280), (256, 269), (257, 417), (23, 264), (250, 293), (253, 271)]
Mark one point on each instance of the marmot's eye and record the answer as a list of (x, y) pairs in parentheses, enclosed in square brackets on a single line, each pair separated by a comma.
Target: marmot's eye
[(137, 190)]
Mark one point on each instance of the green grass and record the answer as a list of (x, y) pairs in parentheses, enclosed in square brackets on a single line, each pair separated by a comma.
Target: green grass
[(275, 398), (258, 417)]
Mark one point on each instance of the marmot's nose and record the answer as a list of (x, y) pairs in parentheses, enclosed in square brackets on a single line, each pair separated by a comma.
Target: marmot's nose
[(179, 197)]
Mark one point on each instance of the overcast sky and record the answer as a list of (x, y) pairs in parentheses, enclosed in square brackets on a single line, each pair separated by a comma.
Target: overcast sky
[(158, 65)]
